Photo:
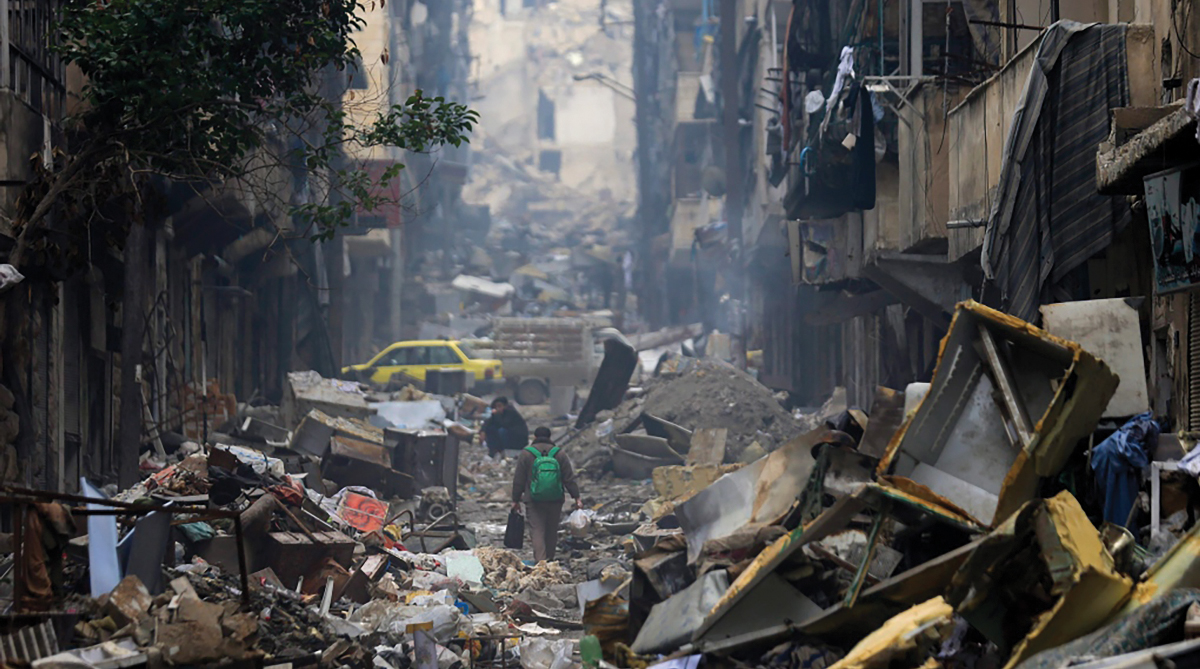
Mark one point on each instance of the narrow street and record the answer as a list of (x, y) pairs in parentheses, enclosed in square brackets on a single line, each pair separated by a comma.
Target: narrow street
[(599, 334)]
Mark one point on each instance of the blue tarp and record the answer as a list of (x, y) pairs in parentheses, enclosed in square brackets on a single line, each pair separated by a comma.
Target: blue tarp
[(1117, 462)]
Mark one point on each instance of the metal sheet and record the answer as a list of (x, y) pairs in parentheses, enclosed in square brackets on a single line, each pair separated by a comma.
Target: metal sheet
[(759, 493), (909, 588), (672, 623), (1112, 331), (649, 446), (958, 430)]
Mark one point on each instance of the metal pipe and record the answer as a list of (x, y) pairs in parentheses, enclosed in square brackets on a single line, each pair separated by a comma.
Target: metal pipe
[(1008, 390), (916, 39), (872, 546), (241, 552), (882, 64), (1004, 24)]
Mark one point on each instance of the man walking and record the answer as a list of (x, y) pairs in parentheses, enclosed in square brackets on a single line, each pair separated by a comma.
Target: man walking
[(506, 429), (543, 473)]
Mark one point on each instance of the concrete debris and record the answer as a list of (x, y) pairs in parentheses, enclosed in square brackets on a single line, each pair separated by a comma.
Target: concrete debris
[(716, 524)]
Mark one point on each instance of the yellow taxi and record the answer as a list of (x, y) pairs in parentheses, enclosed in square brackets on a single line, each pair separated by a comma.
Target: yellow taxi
[(414, 358)]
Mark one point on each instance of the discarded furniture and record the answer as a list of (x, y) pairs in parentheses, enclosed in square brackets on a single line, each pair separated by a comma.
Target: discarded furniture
[(430, 457), (989, 456), (352, 462)]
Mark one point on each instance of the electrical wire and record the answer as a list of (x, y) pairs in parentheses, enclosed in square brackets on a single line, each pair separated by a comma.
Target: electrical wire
[(1178, 36)]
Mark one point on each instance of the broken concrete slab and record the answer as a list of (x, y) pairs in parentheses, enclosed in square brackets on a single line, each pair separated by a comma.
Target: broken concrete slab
[(128, 602), (1111, 330), (306, 391), (707, 447), (192, 609), (989, 457), (190, 643)]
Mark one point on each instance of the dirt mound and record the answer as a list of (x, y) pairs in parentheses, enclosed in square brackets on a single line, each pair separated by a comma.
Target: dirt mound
[(705, 394), (714, 394)]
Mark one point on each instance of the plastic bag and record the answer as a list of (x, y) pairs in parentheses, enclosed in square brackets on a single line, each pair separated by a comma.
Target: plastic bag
[(604, 429), (9, 277), (539, 653), (579, 521)]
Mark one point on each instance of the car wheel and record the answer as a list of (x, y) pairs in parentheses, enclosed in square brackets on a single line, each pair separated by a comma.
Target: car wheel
[(531, 391)]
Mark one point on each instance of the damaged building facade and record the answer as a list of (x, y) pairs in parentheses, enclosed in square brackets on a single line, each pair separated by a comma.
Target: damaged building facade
[(899, 157), (218, 297)]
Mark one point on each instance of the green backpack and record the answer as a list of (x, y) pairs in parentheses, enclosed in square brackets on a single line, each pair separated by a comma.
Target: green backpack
[(545, 485)]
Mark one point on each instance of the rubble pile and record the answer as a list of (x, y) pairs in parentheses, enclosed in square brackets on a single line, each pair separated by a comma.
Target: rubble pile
[(953, 540), (330, 529), (964, 537), (695, 395), (714, 394)]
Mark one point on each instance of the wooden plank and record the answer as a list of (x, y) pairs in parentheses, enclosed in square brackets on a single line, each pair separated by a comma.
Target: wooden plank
[(708, 446)]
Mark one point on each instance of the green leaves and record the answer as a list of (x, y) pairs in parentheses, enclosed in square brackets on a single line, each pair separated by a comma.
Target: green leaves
[(191, 89)]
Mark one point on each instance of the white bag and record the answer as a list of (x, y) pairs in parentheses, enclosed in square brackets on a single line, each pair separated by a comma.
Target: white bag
[(579, 521), (540, 653)]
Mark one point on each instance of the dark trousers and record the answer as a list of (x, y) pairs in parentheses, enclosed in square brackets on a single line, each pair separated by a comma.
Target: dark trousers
[(543, 521), (501, 439)]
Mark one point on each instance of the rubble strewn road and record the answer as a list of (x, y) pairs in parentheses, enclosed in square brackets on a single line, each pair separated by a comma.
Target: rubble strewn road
[(352, 527)]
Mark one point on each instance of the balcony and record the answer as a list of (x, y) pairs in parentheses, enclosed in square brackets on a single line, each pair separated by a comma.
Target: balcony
[(979, 127)]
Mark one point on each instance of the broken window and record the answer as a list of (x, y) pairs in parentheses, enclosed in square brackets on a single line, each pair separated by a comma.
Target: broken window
[(550, 160), (545, 116)]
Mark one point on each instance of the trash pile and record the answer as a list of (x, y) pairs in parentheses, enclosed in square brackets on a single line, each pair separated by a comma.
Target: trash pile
[(998, 520), (325, 530)]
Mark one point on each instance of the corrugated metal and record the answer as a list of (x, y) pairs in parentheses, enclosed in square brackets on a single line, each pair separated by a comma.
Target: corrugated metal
[(1193, 361), (1047, 218), (29, 644)]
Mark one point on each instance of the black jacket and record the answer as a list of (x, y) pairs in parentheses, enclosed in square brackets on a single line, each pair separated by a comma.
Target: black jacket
[(512, 421)]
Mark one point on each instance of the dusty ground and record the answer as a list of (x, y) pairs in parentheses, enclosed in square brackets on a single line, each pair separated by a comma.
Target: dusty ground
[(486, 488)]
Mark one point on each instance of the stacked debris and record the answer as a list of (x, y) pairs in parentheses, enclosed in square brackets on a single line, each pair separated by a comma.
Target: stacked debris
[(954, 533), (323, 530)]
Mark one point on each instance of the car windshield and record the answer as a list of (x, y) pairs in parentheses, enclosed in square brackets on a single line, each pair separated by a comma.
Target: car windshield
[(468, 351)]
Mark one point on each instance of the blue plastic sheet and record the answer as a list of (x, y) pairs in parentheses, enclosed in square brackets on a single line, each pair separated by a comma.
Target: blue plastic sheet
[(103, 567), (1118, 460)]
